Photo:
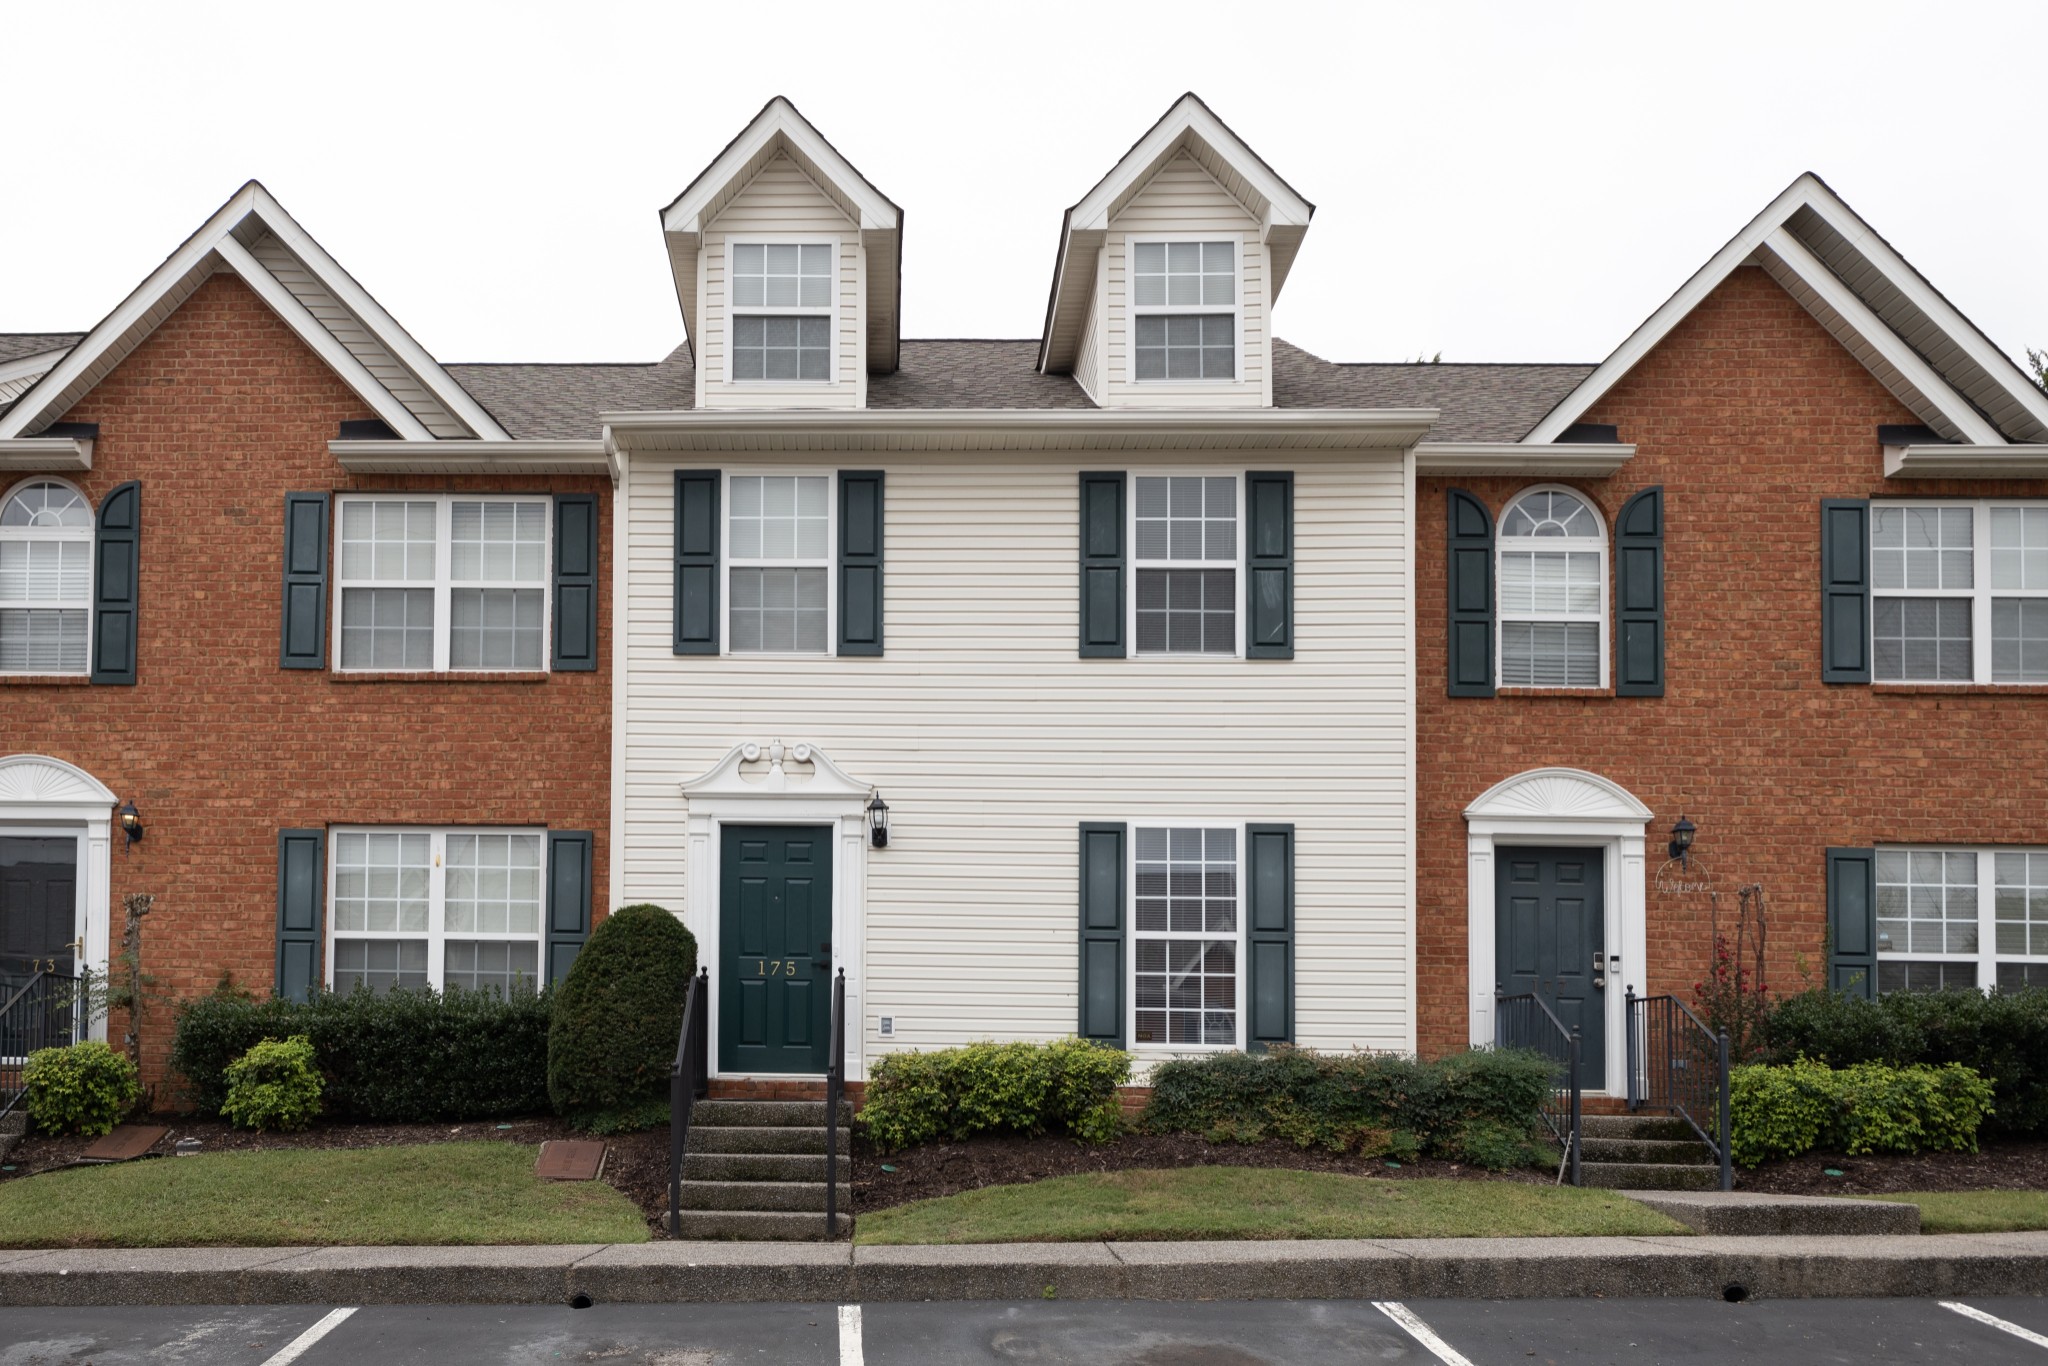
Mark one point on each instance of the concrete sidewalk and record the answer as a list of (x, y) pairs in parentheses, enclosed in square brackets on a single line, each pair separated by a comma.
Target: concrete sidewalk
[(1432, 1268)]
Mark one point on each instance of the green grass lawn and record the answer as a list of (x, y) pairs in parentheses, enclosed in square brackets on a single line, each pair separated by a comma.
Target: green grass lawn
[(1255, 1202), (431, 1193), (1976, 1211)]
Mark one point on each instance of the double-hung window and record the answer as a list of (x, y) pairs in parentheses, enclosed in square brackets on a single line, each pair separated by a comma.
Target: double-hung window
[(1553, 592), (779, 558), (782, 310), (1189, 541), (442, 583), (1187, 935), (438, 908), (1959, 592), (45, 580), (1962, 918), (1184, 301)]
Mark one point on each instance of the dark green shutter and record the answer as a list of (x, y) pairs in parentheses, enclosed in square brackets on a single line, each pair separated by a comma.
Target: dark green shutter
[(1269, 982), (860, 562), (696, 588), (302, 634), (1269, 566), (301, 893), (576, 604), (568, 899), (1102, 566), (116, 580), (1469, 643), (1102, 932), (1639, 596), (1845, 590), (1852, 921)]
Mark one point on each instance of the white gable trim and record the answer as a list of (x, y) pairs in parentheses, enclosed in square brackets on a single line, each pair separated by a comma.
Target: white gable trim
[(1767, 232), (1190, 119), (778, 119), (28, 367)]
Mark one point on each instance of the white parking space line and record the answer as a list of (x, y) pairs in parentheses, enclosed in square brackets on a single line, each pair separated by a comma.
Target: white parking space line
[(299, 1345), (849, 1336), (1422, 1333), (1970, 1312)]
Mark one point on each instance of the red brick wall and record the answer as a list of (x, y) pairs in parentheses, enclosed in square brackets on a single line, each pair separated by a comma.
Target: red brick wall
[(1748, 414), (219, 413)]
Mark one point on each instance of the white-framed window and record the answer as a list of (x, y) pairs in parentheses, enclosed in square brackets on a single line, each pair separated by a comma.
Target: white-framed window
[(1187, 532), (1185, 309), (1552, 586), (1959, 592), (1961, 917), (455, 582), (45, 579), (782, 310), (779, 542), (412, 907), (1187, 934)]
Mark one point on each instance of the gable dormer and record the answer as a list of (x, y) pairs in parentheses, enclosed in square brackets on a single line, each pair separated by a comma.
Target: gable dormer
[(1168, 270), (787, 265)]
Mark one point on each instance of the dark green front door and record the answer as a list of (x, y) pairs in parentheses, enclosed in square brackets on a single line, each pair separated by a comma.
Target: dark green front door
[(38, 908), (1551, 933), (775, 947)]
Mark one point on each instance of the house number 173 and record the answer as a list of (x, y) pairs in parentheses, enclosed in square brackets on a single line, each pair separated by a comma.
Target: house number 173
[(775, 967)]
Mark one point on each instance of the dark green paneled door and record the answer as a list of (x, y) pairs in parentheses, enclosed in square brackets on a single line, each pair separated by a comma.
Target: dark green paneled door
[(38, 907), (1550, 930), (775, 947)]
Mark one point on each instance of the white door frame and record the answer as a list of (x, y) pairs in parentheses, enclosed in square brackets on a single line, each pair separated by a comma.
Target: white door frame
[(41, 796), (1561, 806), (752, 785)]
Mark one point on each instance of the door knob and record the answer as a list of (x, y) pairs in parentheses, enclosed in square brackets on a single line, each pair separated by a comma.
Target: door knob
[(1600, 971)]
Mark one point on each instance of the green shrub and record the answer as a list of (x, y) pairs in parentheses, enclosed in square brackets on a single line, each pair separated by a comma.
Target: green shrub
[(274, 1085), (616, 1017), (1784, 1111), (86, 1088), (1482, 1106), (1024, 1088), (2000, 1035), (387, 1057)]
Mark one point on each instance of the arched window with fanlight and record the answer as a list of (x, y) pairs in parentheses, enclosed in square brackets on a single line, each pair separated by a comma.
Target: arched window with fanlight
[(1552, 549), (46, 533)]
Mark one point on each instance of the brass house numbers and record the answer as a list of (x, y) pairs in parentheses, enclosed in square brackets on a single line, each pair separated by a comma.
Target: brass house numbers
[(775, 967)]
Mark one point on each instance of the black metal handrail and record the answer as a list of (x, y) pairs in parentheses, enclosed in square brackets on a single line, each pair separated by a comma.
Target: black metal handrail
[(1524, 1021), (1678, 1065), (835, 1087), (688, 1079), (46, 1011)]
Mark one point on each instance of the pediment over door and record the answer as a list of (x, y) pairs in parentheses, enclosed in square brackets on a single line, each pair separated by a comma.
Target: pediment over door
[(1557, 794), (36, 780)]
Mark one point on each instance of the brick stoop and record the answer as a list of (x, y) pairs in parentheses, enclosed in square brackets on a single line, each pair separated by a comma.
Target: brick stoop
[(764, 1088), (755, 1169)]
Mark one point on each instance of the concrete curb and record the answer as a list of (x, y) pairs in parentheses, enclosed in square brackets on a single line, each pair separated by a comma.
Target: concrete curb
[(682, 1272)]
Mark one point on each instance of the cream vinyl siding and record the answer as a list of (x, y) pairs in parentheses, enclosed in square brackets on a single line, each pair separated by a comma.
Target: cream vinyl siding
[(1089, 365), (1183, 199), (350, 332), (781, 202), (992, 741)]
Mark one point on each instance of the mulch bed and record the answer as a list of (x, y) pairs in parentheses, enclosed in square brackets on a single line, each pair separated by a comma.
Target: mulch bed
[(2004, 1164)]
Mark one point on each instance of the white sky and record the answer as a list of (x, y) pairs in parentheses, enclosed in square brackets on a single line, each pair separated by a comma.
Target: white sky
[(1495, 182)]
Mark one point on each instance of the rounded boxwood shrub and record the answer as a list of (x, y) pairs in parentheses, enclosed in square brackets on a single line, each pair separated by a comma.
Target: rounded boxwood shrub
[(616, 1017), (274, 1085), (1068, 1085), (86, 1088)]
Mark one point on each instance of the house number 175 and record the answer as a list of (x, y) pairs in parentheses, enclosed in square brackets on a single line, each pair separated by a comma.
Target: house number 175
[(775, 967)]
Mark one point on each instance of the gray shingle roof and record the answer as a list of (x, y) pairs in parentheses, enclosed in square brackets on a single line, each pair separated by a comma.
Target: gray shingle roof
[(561, 402), (1479, 402), (16, 345), (973, 374)]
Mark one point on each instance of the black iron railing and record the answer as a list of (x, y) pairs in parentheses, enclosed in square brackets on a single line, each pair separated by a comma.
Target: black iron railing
[(46, 1011), (688, 1079), (1523, 1021), (835, 1088), (1679, 1066)]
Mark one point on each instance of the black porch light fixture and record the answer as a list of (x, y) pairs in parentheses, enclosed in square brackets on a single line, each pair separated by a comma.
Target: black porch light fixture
[(878, 821), (1681, 840), (131, 823)]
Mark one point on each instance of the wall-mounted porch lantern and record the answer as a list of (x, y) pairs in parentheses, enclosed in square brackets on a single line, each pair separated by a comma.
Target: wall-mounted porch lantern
[(131, 823), (1681, 841), (878, 822)]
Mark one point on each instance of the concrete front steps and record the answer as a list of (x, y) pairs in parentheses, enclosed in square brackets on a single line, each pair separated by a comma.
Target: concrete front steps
[(1645, 1153), (755, 1169)]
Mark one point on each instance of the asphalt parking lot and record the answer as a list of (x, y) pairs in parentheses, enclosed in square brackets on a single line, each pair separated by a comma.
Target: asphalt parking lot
[(1097, 1333)]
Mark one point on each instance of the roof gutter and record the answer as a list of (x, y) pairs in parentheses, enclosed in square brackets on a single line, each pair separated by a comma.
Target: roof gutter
[(46, 454), (1578, 459), (470, 457), (1945, 461)]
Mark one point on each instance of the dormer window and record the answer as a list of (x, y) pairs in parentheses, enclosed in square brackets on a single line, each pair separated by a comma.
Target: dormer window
[(1186, 303), (782, 310)]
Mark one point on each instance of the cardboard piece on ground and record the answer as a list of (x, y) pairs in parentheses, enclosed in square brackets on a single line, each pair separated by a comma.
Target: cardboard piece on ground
[(570, 1159), (125, 1142)]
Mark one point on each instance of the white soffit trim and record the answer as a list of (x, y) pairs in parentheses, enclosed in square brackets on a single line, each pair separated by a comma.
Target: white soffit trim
[(470, 457), (1966, 462), (46, 454), (1806, 191), (1591, 460), (28, 367)]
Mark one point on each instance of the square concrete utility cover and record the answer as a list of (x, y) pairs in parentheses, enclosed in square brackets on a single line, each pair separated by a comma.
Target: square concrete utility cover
[(125, 1142), (570, 1159)]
